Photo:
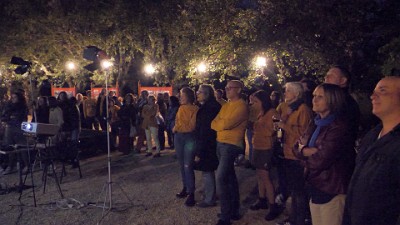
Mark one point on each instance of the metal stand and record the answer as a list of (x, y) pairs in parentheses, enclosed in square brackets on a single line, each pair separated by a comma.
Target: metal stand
[(30, 171), (107, 188)]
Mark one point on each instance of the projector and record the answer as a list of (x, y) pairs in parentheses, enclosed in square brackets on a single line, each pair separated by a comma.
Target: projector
[(40, 128)]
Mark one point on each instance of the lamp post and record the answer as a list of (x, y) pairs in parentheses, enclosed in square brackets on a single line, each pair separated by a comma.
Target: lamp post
[(202, 67), (149, 69), (106, 65), (70, 66), (261, 62)]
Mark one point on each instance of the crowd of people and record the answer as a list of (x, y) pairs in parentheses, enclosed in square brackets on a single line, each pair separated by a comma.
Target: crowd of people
[(307, 141)]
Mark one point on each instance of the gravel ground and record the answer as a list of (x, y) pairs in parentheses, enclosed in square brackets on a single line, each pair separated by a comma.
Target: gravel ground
[(143, 193)]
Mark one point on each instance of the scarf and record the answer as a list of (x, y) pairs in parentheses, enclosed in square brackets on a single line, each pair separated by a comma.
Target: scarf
[(295, 105), (320, 122)]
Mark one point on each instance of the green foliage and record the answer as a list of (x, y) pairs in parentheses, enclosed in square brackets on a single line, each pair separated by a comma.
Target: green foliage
[(300, 38), (391, 53)]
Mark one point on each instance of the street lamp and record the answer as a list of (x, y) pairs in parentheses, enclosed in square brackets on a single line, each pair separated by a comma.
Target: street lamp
[(149, 69), (106, 64), (70, 66), (202, 67), (261, 61)]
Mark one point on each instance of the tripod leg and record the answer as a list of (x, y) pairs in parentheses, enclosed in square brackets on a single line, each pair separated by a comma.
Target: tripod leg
[(63, 172), (22, 186), (33, 186), (124, 193), (44, 177), (57, 183)]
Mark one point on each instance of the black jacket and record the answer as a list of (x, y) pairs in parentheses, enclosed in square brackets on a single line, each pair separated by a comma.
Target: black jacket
[(127, 115), (374, 191), (206, 138), (15, 114), (352, 115)]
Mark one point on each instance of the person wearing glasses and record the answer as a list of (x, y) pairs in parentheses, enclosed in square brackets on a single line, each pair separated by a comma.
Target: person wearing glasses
[(230, 125)]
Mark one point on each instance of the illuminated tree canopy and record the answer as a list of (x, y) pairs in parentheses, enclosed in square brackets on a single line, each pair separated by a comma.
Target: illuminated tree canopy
[(299, 38)]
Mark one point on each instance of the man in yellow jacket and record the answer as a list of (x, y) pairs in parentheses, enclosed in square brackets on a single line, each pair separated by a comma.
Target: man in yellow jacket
[(230, 125)]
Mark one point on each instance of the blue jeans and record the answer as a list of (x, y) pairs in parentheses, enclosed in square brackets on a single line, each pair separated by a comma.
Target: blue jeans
[(185, 151), (227, 184), (209, 187)]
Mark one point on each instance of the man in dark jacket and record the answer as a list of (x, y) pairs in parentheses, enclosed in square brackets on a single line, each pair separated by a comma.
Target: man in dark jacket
[(341, 76), (374, 191)]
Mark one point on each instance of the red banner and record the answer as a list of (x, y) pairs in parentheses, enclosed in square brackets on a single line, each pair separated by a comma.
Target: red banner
[(56, 91), (155, 90), (96, 91)]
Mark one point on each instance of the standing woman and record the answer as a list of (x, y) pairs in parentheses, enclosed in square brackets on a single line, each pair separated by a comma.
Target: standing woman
[(162, 107), (75, 122), (206, 142), (42, 111), (328, 155), (16, 112), (150, 125), (263, 141), (295, 117), (127, 123), (173, 107), (79, 102), (55, 117), (254, 111), (184, 140), (113, 121)]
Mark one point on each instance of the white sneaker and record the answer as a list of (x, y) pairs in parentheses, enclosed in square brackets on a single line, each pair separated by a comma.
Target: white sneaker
[(279, 199)]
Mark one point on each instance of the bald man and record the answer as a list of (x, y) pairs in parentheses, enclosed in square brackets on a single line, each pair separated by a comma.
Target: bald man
[(374, 191), (230, 124)]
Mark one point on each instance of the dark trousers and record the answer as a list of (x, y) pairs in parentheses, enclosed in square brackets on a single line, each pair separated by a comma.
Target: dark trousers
[(141, 137), (90, 122), (227, 184), (170, 137), (103, 123), (294, 174), (161, 136), (14, 135)]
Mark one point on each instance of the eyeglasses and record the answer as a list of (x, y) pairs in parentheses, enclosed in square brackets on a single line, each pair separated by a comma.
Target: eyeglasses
[(229, 88)]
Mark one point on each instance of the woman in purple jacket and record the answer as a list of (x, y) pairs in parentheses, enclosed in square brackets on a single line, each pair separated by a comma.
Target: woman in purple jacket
[(327, 154)]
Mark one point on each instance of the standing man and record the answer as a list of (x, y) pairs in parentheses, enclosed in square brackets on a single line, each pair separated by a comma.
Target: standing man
[(219, 95), (230, 125), (341, 76), (143, 100), (374, 191), (101, 109)]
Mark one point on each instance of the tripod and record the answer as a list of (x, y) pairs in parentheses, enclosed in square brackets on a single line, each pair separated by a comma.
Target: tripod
[(107, 187)]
